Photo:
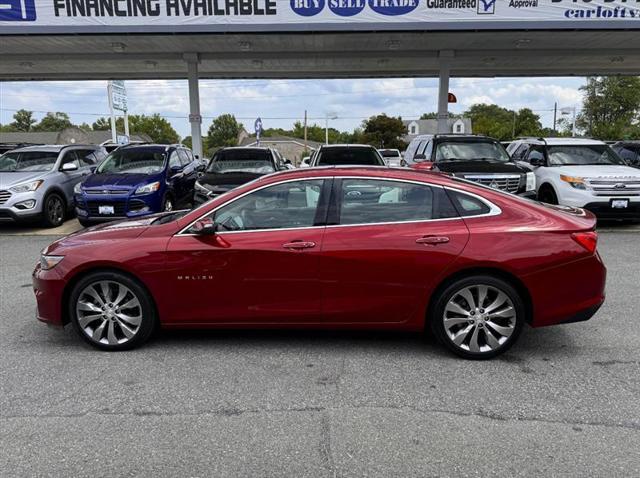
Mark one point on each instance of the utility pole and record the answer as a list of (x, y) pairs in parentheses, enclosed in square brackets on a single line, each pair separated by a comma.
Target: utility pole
[(555, 116), (513, 131), (305, 130)]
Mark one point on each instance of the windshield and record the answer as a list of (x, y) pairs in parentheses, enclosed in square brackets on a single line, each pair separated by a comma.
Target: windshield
[(389, 153), (123, 161), (349, 156), (257, 161), (582, 155), (28, 161), (470, 151)]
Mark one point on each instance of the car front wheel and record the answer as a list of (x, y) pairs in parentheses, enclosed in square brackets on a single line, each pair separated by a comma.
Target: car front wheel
[(111, 311), (54, 210), (478, 317)]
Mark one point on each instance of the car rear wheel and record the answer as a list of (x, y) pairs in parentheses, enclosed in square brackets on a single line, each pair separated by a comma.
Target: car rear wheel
[(111, 311), (54, 210), (478, 317)]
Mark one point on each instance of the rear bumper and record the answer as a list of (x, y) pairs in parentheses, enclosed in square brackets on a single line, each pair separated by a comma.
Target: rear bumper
[(571, 292)]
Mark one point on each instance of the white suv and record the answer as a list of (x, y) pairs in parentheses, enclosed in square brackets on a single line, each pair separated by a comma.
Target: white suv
[(581, 173)]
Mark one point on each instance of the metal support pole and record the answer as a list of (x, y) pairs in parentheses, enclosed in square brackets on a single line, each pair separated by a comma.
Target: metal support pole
[(195, 118), (443, 91), (326, 129), (126, 126)]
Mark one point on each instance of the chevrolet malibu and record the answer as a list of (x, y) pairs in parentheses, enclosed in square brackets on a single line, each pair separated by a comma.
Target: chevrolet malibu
[(338, 248)]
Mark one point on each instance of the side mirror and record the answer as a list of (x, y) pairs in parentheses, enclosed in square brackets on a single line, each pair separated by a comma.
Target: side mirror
[(204, 227), (67, 167), (536, 159), (174, 170), (419, 157)]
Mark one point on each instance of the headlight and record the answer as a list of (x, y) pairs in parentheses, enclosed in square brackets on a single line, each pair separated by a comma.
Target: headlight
[(148, 188), (48, 262), (77, 189), (531, 182), (577, 183), (27, 187), (202, 189)]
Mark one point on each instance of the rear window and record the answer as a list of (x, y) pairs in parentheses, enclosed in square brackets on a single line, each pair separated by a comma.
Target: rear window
[(349, 156), (258, 161), (468, 205), (389, 153)]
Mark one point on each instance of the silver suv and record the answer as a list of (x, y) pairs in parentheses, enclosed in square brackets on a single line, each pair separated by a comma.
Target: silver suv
[(36, 182)]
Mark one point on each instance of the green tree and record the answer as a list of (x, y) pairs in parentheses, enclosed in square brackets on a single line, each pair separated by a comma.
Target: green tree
[(434, 115), (53, 122), (104, 124), (187, 141), (224, 131), (384, 131), (154, 126), (23, 120), (527, 123), (611, 107)]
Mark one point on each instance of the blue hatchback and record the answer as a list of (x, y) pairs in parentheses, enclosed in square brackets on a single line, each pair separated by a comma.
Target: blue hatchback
[(137, 180)]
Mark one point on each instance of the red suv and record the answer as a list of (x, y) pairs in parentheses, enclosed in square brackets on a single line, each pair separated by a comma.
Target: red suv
[(356, 247)]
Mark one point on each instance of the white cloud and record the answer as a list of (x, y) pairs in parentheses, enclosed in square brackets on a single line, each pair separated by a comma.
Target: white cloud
[(281, 102)]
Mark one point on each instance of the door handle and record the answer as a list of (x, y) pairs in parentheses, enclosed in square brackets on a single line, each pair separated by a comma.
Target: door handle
[(433, 240), (299, 245)]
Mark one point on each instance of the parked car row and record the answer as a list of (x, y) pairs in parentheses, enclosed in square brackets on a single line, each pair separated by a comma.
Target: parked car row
[(49, 182)]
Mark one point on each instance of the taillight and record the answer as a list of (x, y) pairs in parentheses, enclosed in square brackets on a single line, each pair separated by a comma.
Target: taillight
[(588, 240)]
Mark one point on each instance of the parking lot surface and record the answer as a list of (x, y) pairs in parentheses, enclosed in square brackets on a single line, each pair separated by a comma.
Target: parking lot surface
[(563, 401)]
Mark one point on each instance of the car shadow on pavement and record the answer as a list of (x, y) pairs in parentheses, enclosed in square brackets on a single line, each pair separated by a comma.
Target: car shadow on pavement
[(533, 343)]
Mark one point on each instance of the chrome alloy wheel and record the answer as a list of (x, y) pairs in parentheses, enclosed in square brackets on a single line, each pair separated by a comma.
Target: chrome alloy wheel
[(109, 312), (479, 318)]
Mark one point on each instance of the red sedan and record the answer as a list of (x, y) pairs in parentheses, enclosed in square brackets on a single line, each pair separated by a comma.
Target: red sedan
[(358, 248)]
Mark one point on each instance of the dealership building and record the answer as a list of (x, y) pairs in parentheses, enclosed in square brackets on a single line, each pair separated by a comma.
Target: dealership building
[(193, 39)]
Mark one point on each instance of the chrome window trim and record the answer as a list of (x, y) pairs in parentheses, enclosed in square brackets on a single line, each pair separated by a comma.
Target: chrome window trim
[(494, 210)]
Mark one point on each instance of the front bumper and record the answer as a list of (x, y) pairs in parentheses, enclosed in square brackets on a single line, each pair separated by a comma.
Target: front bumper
[(48, 287), (124, 206), (13, 210), (603, 210)]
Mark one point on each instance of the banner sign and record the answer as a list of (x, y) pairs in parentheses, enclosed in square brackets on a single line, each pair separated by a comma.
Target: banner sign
[(190, 16)]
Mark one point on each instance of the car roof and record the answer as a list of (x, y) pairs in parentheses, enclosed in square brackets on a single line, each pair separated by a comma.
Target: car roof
[(563, 141), (328, 146), (261, 148), (382, 172), (53, 148)]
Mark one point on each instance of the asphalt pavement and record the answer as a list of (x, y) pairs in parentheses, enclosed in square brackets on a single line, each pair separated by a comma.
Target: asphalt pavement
[(565, 401)]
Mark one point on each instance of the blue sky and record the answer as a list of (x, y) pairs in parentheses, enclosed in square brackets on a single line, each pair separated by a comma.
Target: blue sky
[(281, 102)]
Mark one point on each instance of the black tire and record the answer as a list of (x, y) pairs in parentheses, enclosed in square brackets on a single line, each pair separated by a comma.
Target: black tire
[(147, 324), (547, 195), (483, 325), (54, 210)]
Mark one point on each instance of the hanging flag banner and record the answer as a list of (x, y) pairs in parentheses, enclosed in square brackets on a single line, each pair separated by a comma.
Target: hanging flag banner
[(136, 16)]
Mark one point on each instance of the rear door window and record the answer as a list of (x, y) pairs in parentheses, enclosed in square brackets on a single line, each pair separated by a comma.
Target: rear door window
[(371, 201)]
